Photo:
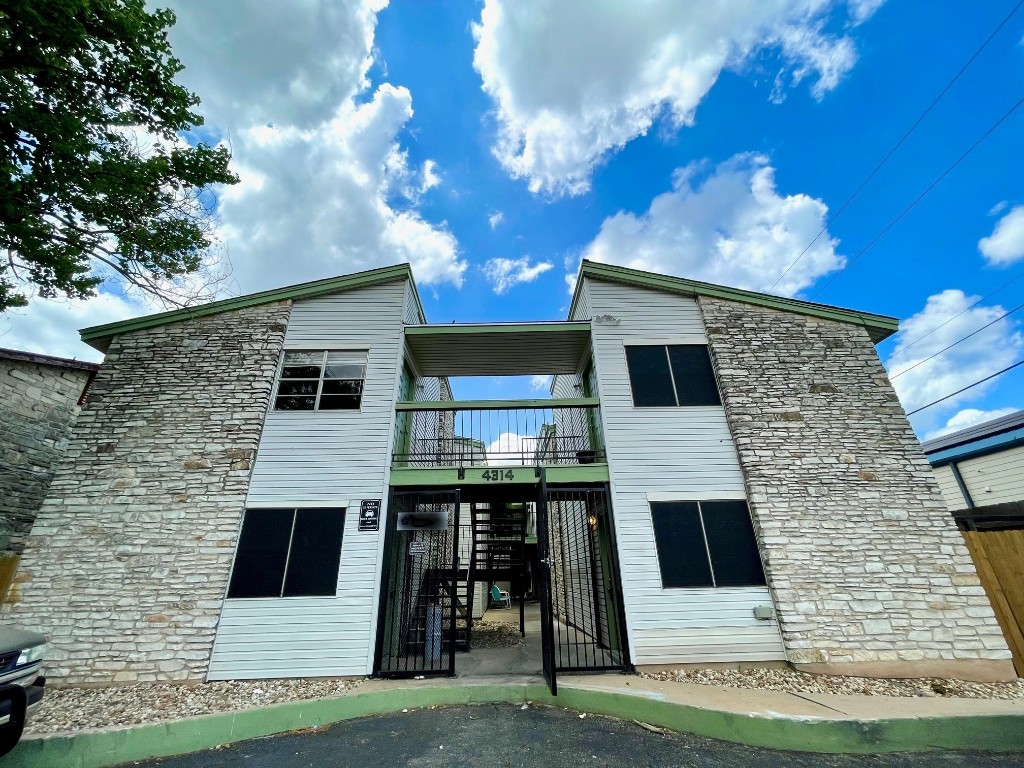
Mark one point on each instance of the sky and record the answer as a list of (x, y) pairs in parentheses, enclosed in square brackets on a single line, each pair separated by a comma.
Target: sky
[(495, 144)]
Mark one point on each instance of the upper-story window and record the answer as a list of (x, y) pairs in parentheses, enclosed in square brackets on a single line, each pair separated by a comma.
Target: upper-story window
[(671, 375), (320, 380)]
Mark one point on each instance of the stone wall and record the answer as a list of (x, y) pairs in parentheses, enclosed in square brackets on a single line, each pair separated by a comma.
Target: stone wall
[(38, 407), (868, 570), (128, 563)]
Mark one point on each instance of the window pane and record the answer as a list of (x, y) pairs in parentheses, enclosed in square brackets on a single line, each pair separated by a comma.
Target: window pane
[(339, 402), (649, 377), (344, 371), (695, 378), (262, 552), (304, 358), (316, 552), (731, 540), (342, 387), (298, 388), (682, 556), (292, 403), (300, 372)]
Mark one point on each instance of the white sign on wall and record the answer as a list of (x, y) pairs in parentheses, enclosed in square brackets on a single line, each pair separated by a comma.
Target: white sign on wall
[(423, 520)]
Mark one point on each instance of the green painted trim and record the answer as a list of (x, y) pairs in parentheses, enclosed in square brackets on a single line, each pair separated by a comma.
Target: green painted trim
[(879, 327), (456, 329), (99, 336), (448, 477), (495, 405), (100, 749)]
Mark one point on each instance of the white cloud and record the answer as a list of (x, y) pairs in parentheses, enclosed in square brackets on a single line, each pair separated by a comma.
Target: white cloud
[(318, 154), (574, 81), (724, 225), (50, 326), (540, 383), (1006, 243), (495, 219), (989, 351), (511, 449), (505, 273), (999, 207), (968, 417)]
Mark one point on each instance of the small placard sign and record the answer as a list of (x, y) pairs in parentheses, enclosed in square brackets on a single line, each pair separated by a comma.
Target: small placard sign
[(369, 515), (417, 548), (423, 520)]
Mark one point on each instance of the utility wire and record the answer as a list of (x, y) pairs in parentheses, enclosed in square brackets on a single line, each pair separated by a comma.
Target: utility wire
[(919, 198), (898, 144), (969, 386), (962, 311), (965, 338)]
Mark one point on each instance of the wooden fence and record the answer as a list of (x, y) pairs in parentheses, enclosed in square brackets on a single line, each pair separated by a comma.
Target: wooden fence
[(999, 557)]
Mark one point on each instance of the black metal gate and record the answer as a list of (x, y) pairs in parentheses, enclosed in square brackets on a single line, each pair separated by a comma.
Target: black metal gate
[(583, 625), (420, 601)]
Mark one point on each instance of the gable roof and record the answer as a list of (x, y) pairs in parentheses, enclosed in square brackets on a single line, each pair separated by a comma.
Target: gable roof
[(99, 336), (879, 327), (988, 437)]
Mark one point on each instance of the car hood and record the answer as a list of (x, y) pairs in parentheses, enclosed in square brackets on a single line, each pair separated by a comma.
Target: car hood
[(14, 639)]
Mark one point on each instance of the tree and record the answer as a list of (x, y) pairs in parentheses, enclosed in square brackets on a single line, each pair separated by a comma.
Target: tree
[(96, 179)]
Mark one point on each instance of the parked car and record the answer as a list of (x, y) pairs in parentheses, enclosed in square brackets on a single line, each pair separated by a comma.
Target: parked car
[(21, 685)]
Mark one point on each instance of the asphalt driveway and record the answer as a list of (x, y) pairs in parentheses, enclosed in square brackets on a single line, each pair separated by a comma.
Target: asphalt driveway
[(506, 736)]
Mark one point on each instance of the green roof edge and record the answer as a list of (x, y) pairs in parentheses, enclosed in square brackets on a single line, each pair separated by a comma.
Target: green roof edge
[(96, 335), (879, 327)]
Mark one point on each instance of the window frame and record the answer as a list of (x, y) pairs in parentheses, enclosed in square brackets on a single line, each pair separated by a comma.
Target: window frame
[(362, 354), (340, 510), (706, 545), (665, 346)]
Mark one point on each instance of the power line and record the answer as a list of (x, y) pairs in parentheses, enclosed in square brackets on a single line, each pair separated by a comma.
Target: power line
[(898, 144), (919, 198), (965, 338), (962, 311), (969, 386)]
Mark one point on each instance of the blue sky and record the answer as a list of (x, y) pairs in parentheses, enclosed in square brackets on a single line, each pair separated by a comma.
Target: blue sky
[(494, 144)]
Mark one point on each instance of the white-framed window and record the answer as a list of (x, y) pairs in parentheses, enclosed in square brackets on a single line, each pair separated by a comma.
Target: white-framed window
[(320, 380)]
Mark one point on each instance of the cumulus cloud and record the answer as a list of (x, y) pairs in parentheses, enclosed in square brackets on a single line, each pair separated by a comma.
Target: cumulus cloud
[(495, 219), (511, 449), (50, 326), (919, 383), (540, 383), (726, 224), (322, 169), (1006, 243), (574, 81), (968, 417), (505, 273)]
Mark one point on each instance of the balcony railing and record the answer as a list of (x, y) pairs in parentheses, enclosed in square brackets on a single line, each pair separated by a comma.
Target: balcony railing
[(498, 433)]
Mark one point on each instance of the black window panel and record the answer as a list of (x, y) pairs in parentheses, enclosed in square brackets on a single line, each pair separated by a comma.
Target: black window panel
[(339, 402), (300, 372), (298, 388), (262, 553), (731, 541), (682, 556), (694, 376), (342, 387), (316, 552), (649, 377), (293, 403)]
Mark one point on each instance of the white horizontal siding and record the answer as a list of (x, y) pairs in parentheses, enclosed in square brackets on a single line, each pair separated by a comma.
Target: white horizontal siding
[(995, 478), (314, 458), (680, 453), (950, 490)]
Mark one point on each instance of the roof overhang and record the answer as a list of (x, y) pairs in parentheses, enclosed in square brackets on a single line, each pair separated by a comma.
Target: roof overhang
[(879, 327), (498, 349), (99, 336)]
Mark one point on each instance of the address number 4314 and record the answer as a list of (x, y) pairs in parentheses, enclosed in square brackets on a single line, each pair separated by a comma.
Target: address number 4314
[(498, 475)]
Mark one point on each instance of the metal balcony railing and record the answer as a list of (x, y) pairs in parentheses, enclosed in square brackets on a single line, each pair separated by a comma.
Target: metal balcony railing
[(498, 433)]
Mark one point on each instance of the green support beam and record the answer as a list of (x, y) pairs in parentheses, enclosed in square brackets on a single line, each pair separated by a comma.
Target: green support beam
[(448, 477), (496, 405)]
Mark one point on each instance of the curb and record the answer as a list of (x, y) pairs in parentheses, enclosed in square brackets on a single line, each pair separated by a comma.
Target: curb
[(100, 749)]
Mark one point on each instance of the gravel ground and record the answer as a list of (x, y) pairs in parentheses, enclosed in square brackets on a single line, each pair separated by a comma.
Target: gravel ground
[(492, 634), (791, 681), (72, 709)]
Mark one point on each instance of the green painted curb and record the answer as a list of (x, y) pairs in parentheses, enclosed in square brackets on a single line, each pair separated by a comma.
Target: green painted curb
[(109, 748)]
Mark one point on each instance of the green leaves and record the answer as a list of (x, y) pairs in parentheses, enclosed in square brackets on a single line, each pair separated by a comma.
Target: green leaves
[(95, 178)]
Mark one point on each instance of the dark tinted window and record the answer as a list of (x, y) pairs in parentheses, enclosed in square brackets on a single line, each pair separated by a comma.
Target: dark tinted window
[(682, 556), (694, 376), (730, 534), (649, 377), (262, 552), (316, 552)]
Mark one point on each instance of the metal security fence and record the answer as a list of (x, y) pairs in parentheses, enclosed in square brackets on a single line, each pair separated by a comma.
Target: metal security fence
[(424, 599)]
